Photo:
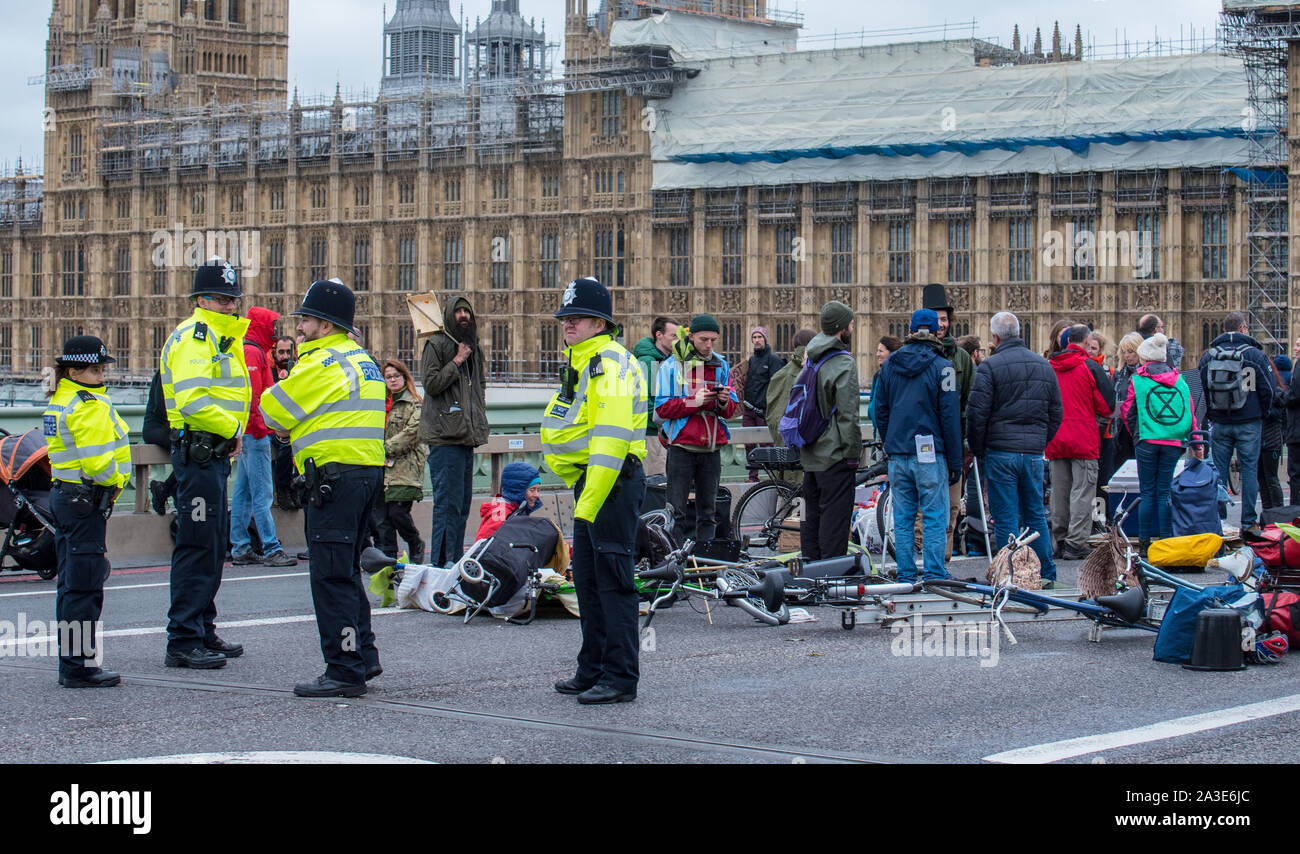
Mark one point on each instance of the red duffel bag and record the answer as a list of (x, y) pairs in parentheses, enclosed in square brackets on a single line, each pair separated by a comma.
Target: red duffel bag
[(1283, 608), (1274, 547)]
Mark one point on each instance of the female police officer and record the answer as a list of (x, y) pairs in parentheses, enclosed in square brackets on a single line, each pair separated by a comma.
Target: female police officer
[(90, 459)]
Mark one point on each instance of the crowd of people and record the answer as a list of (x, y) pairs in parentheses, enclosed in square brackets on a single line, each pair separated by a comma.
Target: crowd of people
[(300, 419)]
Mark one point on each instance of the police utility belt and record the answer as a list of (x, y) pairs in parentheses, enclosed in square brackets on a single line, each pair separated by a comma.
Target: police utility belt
[(318, 481), (199, 446), (87, 498)]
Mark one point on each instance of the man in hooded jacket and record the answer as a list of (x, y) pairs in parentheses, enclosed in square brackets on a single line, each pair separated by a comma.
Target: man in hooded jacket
[(918, 421), (935, 298), (254, 487), (453, 421)]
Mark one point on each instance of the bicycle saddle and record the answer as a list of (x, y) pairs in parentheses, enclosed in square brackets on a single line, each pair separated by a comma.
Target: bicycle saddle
[(1130, 604), (774, 458)]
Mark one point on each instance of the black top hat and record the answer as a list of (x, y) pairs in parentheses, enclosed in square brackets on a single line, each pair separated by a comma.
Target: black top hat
[(934, 297), (84, 350)]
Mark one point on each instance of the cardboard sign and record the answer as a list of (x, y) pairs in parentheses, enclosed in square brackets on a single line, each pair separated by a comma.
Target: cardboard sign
[(426, 314)]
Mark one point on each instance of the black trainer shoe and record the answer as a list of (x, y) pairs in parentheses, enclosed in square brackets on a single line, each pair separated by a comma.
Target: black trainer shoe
[(248, 558), (197, 659), (91, 679), (372, 672), (229, 650), (323, 686), (278, 558)]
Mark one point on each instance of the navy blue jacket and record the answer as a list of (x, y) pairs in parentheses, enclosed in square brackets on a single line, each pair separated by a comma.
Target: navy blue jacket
[(1259, 402), (917, 397)]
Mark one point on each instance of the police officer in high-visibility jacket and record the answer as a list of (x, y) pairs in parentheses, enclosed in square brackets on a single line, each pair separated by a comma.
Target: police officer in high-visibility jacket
[(90, 460), (206, 391), (331, 408), (593, 435)]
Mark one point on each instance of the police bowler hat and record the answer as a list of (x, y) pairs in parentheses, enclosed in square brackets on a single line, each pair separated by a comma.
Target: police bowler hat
[(216, 278), (330, 300), (81, 351)]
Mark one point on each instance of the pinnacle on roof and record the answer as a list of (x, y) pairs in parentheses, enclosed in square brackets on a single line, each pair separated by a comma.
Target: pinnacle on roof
[(422, 15), (504, 23)]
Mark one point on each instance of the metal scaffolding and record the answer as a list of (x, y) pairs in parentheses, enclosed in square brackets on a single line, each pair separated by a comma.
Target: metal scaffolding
[(1262, 38)]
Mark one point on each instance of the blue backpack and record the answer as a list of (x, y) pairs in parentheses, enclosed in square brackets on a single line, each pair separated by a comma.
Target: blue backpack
[(802, 423)]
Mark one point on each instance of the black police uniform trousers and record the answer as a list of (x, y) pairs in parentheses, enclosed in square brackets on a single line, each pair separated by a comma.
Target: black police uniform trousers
[(200, 553), (83, 569), (336, 531), (604, 579)]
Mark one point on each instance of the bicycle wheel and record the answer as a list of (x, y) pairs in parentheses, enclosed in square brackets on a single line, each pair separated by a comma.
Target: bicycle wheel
[(759, 515), (738, 578), (885, 519), (959, 591)]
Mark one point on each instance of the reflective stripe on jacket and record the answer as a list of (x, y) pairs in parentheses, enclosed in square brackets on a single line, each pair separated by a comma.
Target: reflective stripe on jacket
[(204, 377), (86, 438), (332, 404), (601, 426)]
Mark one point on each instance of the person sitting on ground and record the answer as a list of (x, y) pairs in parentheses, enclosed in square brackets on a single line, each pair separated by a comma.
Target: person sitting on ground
[(521, 491)]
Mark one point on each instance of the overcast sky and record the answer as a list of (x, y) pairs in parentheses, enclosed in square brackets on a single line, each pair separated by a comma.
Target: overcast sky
[(338, 41)]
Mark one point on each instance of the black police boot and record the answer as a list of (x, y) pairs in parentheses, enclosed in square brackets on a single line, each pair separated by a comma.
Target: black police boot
[(323, 686), (605, 694), (229, 650), (572, 686), (91, 679), (197, 658)]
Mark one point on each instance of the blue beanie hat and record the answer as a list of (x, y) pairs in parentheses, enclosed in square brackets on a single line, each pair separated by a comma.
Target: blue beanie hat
[(925, 317), (1283, 362), (516, 477)]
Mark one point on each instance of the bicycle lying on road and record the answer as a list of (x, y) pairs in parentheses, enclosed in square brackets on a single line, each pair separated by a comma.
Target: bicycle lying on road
[(757, 589)]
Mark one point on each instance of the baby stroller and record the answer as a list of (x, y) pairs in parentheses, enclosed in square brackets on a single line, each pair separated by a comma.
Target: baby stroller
[(503, 574), (25, 504)]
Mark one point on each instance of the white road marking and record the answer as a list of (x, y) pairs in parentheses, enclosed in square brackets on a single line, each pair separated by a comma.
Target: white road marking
[(1057, 750), (159, 584), (7, 646), (272, 757)]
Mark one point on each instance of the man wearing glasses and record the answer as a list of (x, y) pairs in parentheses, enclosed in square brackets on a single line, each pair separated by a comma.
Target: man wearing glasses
[(207, 394), (1150, 324)]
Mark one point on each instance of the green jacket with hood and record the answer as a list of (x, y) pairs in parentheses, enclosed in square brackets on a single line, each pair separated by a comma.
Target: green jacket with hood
[(837, 388), (455, 396), (648, 358)]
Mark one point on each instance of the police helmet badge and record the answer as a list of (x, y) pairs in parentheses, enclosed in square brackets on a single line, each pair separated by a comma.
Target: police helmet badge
[(570, 294)]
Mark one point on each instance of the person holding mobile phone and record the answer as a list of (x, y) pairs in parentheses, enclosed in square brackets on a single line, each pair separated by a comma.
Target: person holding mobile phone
[(693, 399)]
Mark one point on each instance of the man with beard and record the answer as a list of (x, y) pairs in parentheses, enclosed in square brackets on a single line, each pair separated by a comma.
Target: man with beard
[(752, 379), (453, 421), (283, 358), (831, 461)]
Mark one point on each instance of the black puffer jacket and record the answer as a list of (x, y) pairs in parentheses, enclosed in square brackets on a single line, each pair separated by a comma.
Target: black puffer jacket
[(1015, 402), (1293, 409)]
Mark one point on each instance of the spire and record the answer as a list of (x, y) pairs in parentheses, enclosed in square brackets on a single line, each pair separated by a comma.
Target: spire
[(1015, 38), (1078, 43), (1038, 41)]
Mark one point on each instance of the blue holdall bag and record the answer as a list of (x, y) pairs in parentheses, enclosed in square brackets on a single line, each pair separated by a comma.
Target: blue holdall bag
[(1177, 632)]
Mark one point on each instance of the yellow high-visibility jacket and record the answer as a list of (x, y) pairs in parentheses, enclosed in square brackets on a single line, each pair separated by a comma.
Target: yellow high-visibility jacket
[(331, 404), (601, 426), (204, 377), (86, 438)]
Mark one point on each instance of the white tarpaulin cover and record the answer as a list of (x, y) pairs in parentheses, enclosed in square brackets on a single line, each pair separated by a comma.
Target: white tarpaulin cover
[(925, 110), (697, 37)]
